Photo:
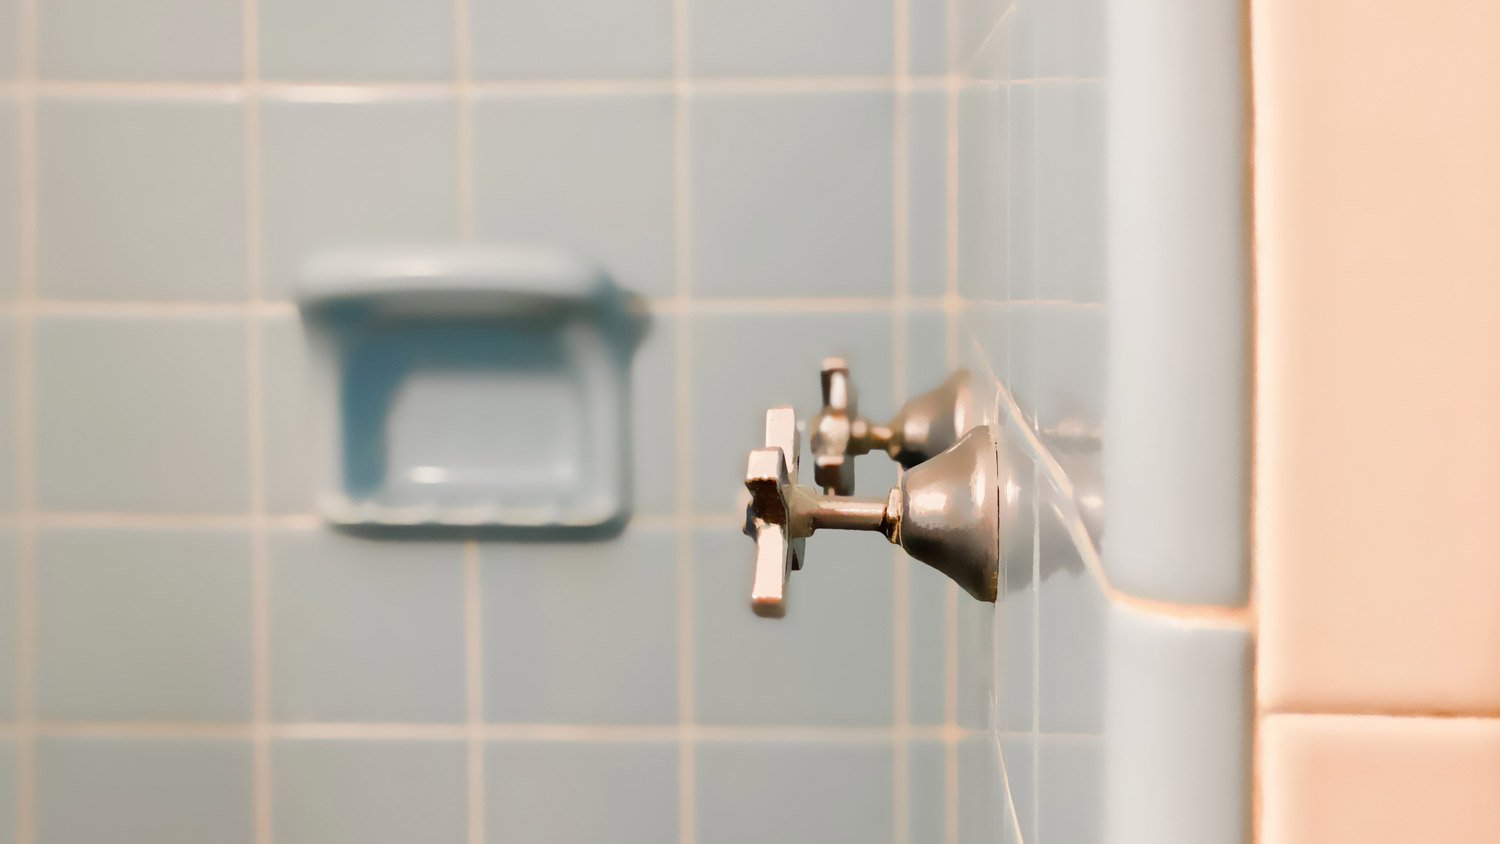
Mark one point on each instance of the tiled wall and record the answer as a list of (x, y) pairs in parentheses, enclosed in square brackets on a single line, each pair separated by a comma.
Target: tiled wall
[(1102, 252), (189, 655), (1378, 203)]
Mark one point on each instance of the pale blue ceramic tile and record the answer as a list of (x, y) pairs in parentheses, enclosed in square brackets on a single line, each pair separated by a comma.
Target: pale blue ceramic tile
[(571, 38), (580, 792), (589, 173), (1070, 791), (790, 38), (356, 39), (1067, 382), (369, 792), (791, 193), (10, 784), (336, 173), (581, 632), (143, 625), (927, 195), (1179, 304), (977, 20), (10, 400), (10, 43), (365, 630), (1177, 726), (291, 459), (745, 364), (984, 234), (827, 662), (140, 199), (1070, 39), (10, 195), (144, 791), (794, 792), (1015, 671), (10, 630), (146, 39), (1072, 644), (976, 662), (927, 595), (927, 26), (927, 774), (983, 808), (1021, 194), (653, 406), (1070, 243), (141, 414)]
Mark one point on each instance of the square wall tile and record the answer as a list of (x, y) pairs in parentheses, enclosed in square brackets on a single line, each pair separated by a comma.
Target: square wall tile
[(977, 641), (983, 806), (790, 38), (600, 39), (984, 235), (1070, 38), (927, 596), (1177, 730), (292, 460), (1057, 364), (1351, 778), (927, 23), (791, 193), (365, 630), (144, 791), (1072, 637), (10, 414), (1069, 174), (927, 779), (141, 414), (369, 792), (581, 632), (10, 626), (1070, 791), (828, 662), (189, 40), (580, 792), (806, 792), (143, 625), (654, 422), (340, 173), (10, 195), (927, 194), (10, 45), (1021, 193), (356, 39), (141, 199), (746, 363), (590, 173)]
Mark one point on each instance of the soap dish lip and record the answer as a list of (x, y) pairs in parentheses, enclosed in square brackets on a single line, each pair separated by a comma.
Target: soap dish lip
[(487, 277)]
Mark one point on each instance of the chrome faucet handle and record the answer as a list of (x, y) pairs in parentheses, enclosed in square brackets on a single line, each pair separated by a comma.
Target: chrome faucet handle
[(925, 427), (948, 512)]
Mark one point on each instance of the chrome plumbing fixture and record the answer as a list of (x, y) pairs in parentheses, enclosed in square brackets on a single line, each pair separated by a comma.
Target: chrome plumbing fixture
[(926, 426), (951, 511)]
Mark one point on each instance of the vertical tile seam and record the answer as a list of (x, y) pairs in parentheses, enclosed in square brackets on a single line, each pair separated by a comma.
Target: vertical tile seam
[(26, 797), (255, 433), (682, 417)]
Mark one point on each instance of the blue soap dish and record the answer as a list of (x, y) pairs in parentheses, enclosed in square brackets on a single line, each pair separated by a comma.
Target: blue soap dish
[(474, 386)]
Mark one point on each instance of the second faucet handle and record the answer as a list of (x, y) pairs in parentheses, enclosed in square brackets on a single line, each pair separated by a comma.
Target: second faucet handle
[(926, 426)]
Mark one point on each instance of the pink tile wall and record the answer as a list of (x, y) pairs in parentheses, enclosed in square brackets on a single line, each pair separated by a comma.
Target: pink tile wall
[(1377, 500)]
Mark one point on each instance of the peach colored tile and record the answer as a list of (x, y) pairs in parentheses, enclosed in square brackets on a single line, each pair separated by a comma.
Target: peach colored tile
[(1362, 780), (1378, 342)]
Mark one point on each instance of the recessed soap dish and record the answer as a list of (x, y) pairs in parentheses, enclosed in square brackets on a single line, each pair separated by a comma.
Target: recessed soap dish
[(482, 386)]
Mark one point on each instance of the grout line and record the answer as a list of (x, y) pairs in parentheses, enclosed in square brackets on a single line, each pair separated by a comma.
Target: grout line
[(27, 354), (687, 823), (255, 430), (474, 690)]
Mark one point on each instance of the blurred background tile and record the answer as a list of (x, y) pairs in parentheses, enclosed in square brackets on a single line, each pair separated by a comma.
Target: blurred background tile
[(571, 38), (790, 38), (534, 791), (791, 193), (1070, 790), (189, 40), (10, 192), (365, 630), (143, 625), (984, 808), (356, 39), (927, 197), (10, 414), (143, 791), (141, 414), (10, 775), (1070, 236), (357, 791), (928, 779), (338, 173), (747, 788), (140, 200), (10, 45), (827, 663), (292, 461), (581, 633), (927, 21), (590, 173), (10, 625)]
